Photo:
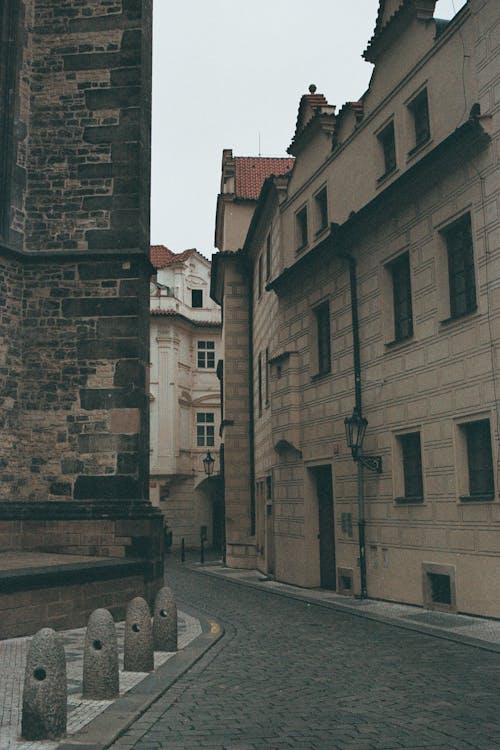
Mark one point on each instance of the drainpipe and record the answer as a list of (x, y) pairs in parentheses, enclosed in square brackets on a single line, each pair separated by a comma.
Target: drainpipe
[(358, 404), (251, 415)]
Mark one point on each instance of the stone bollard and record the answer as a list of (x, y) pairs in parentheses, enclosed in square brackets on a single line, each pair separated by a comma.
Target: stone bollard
[(165, 621), (45, 698), (100, 658), (138, 652)]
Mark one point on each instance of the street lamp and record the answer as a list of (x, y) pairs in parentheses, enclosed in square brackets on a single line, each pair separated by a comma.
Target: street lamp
[(208, 464), (355, 428)]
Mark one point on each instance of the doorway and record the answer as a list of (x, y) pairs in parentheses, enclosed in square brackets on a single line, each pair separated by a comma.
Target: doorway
[(326, 526)]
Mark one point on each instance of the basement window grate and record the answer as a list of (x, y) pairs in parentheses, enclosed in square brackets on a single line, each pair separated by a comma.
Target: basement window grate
[(440, 588)]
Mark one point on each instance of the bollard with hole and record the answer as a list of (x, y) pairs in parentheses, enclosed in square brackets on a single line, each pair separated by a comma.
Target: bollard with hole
[(138, 651), (100, 658), (165, 621), (45, 689)]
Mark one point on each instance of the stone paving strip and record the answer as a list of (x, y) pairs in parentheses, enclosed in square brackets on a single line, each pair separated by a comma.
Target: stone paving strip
[(481, 632), (80, 711)]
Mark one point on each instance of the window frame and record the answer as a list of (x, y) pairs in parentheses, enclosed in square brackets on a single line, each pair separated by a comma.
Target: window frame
[(203, 352), (302, 228), (449, 234), (193, 293), (321, 204), (205, 429), (322, 338), (400, 272), (414, 107), (268, 257), (467, 458), (410, 448), (385, 136)]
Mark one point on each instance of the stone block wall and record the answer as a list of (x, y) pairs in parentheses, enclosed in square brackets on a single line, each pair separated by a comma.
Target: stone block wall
[(74, 273)]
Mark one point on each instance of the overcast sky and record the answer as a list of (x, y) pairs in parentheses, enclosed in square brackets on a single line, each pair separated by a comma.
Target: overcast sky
[(230, 74)]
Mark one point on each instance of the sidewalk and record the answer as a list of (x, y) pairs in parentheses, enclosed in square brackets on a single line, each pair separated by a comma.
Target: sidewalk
[(473, 631), (87, 722)]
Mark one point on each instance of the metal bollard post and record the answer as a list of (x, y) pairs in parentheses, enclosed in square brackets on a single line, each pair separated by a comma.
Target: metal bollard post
[(138, 650), (183, 551), (100, 658), (45, 698), (165, 621)]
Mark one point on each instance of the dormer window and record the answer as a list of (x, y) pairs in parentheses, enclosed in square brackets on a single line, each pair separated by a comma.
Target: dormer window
[(321, 202), (419, 109), (301, 228), (387, 142)]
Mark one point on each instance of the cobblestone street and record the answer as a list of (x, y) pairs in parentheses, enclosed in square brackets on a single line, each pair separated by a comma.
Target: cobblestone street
[(289, 674)]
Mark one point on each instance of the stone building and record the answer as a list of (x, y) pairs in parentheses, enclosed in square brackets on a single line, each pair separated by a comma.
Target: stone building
[(369, 279), (185, 397), (75, 100)]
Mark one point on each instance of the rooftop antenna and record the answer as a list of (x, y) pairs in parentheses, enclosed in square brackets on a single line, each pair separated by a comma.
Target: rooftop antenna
[(259, 144)]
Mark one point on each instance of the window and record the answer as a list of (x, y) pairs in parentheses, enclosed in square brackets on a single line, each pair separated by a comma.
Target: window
[(268, 257), (205, 430), (301, 225), (322, 317), (259, 375), (267, 377), (196, 297), (401, 295), (387, 141), (259, 276), (411, 459), (419, 109), (481, 483), (321, 201), (206, 355), (462, 283)]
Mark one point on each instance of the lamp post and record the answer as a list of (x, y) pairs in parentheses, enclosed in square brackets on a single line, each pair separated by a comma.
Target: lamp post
[(208, 464), (355, 428)]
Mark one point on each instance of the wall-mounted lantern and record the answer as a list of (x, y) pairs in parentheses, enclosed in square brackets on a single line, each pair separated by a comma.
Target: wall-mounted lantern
[(208, 464), (355, 428)]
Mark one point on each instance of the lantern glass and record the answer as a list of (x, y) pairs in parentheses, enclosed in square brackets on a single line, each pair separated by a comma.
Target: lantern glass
[(355, 428), (208, 464)]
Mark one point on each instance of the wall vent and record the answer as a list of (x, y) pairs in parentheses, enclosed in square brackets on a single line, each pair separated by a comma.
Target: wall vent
[(439, 587), (345, 581)]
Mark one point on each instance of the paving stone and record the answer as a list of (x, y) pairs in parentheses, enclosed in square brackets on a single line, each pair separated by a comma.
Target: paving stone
[(288, 675)]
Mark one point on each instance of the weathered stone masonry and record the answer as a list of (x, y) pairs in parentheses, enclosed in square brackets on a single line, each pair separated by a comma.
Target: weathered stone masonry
[(74, 271)]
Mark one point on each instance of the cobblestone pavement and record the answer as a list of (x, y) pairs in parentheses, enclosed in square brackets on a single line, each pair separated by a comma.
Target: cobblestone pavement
[(80, 711), (290, 674)]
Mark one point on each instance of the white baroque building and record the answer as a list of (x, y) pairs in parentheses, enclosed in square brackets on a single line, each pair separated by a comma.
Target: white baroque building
[(185, 397)]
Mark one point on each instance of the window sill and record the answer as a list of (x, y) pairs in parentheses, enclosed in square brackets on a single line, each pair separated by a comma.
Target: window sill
[(409, 500), (386, 175), (400, 342), (320, 375), (418, 147), (321, 230), (477, 498), (458, 318)]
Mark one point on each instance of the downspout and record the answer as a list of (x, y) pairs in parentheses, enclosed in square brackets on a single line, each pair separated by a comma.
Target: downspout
[(358, 406), (251, 421)]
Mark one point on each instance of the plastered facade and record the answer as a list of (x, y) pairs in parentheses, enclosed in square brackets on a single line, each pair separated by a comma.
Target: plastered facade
[(433, 382), (183, 385)]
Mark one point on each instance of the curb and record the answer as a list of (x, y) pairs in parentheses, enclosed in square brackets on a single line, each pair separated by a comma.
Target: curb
[(106, 728), (423, 628)]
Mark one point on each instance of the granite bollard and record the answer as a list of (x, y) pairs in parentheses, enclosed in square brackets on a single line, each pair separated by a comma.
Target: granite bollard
[(138, 651), (45, 692), (101, 679), (165, 621)]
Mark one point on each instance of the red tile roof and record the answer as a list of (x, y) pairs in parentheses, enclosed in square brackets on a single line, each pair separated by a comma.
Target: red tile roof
[(161, 256), (175, 314), (252, 171)]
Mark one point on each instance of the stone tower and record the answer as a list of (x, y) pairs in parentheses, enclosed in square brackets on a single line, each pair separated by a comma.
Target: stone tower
[(75, 105)]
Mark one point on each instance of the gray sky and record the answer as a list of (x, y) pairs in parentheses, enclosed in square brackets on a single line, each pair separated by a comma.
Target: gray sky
[(228, 72)]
